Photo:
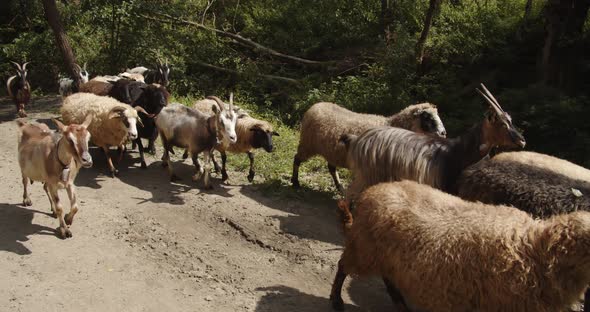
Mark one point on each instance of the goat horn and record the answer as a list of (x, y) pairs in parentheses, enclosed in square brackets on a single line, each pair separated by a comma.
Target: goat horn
[(17, 65), (84, 66), (141, 110), (78, 67), (25, 66), (219, 102), (492, 97), (231, 101), (492, 104)]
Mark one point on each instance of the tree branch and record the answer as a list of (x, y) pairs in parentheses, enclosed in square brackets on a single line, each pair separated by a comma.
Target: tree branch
[(242, 40), (235, 72)]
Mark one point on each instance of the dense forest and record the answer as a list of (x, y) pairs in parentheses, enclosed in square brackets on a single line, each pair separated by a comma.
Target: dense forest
[(369, 56)]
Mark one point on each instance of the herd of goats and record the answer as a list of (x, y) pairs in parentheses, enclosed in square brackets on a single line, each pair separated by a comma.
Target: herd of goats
[(447, 226)]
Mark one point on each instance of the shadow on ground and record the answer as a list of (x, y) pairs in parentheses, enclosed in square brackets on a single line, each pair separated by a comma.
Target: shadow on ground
[(16, 225)]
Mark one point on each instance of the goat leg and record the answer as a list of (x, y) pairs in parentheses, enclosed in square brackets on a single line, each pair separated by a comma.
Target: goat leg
[(336, 293), (206, 156), (64, 231), (396, 296), (336, 178), (223, 170), (198, 169), (26, 199), (215, 164), (71, 189), (251, 173), (295, 177), (140, 148), (46, 189)]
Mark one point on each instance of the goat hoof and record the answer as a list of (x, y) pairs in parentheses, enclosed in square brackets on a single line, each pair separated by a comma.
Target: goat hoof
[(337, 304), (65, 233), (27, 202), (68, 219), (115, 173), (208, 187), (143, 165), (251, 176), (224, 176), (152, 150)]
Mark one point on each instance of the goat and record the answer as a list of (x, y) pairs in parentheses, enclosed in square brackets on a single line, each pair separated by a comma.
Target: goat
[(390, 154), (324, 123), (198, 132), (97, 87), (130, 76), (113, 124), (252, 133), (151, 99), (54, 158), (66, 86), (438, 252), (160, 75), (19, 88)]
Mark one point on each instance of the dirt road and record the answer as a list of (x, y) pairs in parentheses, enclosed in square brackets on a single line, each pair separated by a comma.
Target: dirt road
[(141, 243)]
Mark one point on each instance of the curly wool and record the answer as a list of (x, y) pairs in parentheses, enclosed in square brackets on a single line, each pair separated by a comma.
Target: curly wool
[(324, 123), (447, 254), (536, 183), (103, 131)]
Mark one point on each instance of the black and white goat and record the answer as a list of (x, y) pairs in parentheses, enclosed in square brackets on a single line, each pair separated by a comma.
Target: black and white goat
[(66, 85), (159, 75), (19, 88)]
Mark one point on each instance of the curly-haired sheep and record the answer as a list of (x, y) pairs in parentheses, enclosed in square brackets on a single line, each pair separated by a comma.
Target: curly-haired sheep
[(252, 133), (114, 122), (442, 253), (324, 123), (387, 154), (539, 184)]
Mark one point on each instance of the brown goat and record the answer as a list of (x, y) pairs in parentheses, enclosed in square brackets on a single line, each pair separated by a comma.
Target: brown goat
[(391, 154), (54, 158)]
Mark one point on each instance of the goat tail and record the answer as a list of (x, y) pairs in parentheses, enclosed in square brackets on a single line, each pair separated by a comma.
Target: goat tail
[(347, 219)]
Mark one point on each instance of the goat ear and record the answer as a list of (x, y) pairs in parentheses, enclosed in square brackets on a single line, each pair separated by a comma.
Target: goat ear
[(60, 126), (116, 112), (275, 133), (88, 120)]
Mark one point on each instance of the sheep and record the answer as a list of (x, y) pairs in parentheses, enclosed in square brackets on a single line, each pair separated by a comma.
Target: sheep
[(97, 87), (151, 99), (54, 159), (66, 85), (113, 124), (539, 184), (19, 88), (324, 123), (385, 154), (106, 78), (131, 76), (137, 70), (441, 253), (186, 127), (252, 133)]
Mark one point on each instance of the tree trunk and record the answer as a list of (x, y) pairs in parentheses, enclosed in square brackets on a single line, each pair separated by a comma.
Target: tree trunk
[(420, 46), (61, 39), (564, 23), (387, 20)]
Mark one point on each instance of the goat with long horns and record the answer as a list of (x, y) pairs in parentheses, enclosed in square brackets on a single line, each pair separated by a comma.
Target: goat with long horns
[(19, 88), (387, 154)]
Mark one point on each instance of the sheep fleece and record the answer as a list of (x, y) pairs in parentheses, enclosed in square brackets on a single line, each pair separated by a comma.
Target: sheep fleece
[(446, 254), (103, 131), (324, 123)]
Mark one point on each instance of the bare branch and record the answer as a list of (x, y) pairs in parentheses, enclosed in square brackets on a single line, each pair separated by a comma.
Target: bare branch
[(235, 72), (238, 38)]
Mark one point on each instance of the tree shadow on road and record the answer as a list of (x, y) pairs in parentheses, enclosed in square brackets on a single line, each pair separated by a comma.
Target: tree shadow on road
[(16, 225)]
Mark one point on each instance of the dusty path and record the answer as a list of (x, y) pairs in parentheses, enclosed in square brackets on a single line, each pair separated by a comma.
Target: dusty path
[(143, 244)]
